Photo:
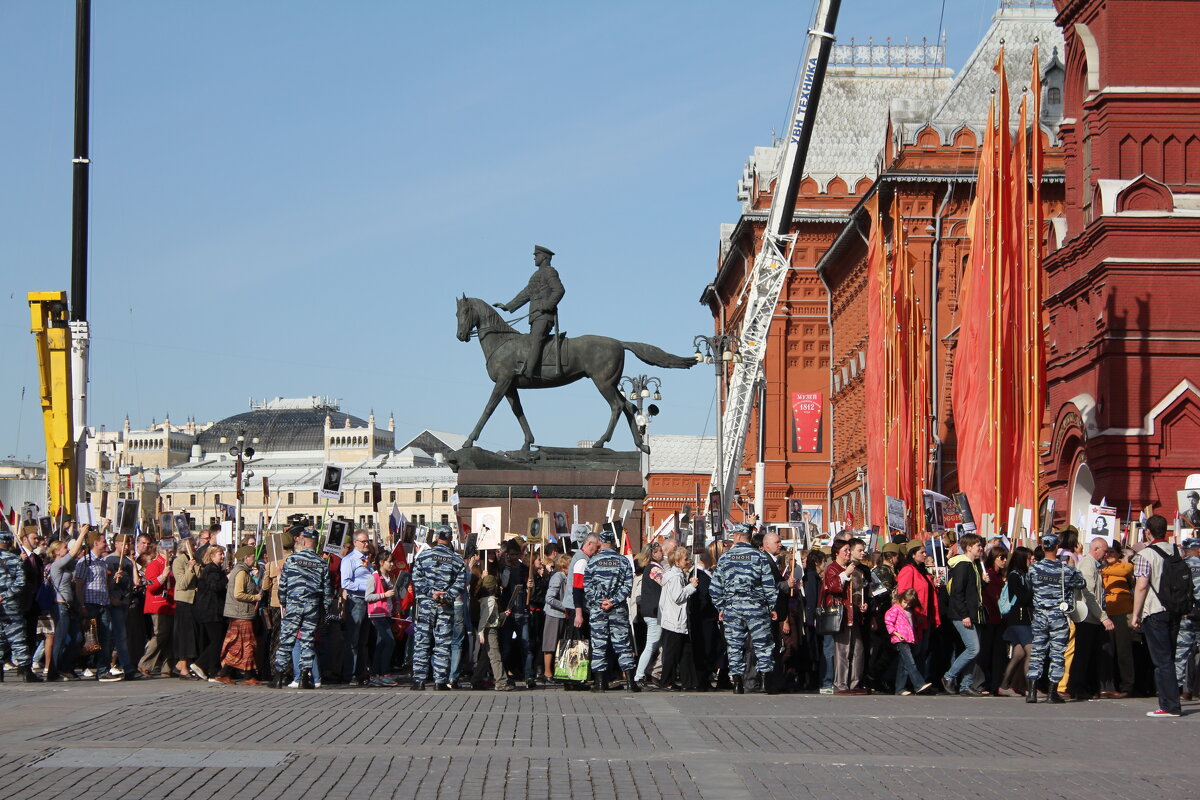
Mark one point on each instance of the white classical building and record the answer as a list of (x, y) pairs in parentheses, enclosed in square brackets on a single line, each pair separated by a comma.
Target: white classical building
[(190, 469)]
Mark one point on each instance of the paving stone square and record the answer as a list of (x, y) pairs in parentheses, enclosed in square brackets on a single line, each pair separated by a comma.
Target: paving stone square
[(190, 740)]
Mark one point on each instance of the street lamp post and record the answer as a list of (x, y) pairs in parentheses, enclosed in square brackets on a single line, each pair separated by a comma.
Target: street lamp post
[(638, 389), (243, 452), (719, 350)]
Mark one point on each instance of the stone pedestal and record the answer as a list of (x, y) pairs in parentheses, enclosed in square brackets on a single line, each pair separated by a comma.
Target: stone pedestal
[(565, 477)]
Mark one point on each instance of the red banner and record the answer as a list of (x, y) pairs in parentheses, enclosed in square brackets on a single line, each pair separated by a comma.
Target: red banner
[(806, 415)]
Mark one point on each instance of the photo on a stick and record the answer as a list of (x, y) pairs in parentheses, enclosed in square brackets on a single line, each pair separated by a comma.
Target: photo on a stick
[(1189, 507), (338, 531), (331, 483)]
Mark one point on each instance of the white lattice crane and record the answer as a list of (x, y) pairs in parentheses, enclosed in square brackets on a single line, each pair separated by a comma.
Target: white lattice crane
[(774, 256)]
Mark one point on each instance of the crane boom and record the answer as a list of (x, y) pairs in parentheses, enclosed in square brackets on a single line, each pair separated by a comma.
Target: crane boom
[(771, 263), (52, 333)]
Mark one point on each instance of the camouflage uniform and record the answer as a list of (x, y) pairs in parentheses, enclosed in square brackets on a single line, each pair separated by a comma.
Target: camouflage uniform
[(306, 592), (608, 576), (12, 612), (744, 590), (1185, 645), (1053, 583), (438, 569)]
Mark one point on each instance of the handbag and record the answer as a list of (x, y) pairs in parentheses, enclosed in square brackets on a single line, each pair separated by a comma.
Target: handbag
[(572, 659), (1077, 607), (830, 619), (91, 638)]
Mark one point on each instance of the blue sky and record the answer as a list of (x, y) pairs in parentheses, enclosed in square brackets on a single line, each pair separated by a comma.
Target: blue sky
[(287, 196)]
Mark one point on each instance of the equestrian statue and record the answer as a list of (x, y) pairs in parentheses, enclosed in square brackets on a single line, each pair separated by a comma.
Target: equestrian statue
[(539, 361)]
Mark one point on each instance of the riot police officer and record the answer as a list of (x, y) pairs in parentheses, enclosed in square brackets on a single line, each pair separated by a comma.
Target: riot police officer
[(305, 593), (12, 607), (1053, 584), (607, 584), (439, 576), (744, 590)]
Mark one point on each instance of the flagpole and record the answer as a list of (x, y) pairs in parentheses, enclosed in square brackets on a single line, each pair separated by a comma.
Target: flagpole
[(612, 493), (993, 323), (1035, 266)]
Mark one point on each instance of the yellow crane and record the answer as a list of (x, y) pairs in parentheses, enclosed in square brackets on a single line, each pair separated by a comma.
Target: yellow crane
[(59, 329), (50, 325)]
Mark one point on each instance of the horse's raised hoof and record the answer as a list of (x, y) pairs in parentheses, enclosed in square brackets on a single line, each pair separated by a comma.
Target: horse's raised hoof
[(645, 448), (597, 445)]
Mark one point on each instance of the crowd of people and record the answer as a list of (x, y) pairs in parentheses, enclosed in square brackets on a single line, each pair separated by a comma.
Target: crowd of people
[(1067, 620)]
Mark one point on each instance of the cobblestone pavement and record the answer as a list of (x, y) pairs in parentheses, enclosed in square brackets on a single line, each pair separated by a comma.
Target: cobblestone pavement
[(169, 739)]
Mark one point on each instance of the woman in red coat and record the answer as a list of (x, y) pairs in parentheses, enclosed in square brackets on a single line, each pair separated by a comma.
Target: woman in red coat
[(160, 605), (925, 612), (842, 585)]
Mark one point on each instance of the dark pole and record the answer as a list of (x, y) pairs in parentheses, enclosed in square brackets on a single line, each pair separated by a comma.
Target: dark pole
[(80, 163)]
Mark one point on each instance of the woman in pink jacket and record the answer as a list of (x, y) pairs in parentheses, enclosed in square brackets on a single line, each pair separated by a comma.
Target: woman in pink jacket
[(899, 622)]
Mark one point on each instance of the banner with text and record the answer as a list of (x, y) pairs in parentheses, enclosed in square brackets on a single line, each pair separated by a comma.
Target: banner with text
[(806, 415)]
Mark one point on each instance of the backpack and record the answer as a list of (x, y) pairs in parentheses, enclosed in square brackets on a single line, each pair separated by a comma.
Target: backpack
[(1175, 584)]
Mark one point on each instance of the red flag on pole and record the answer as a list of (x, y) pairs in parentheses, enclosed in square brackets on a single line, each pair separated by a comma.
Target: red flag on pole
[(876, 378), (971, 392)]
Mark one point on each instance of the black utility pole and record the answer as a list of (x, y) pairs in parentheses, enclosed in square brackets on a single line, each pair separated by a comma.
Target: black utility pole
[(80, 163)]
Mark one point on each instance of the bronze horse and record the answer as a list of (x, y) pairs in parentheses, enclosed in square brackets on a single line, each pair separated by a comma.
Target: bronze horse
[(597, 357)]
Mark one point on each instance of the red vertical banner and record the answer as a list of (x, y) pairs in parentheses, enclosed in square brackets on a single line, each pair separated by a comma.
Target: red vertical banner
[(806, 416), (877, 378)]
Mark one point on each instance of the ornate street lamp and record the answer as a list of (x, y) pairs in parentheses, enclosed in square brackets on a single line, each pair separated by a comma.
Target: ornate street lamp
[(243, 452), (719, 350)]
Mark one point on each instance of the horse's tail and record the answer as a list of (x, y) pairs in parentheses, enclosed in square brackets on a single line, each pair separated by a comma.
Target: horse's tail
[(657, 357)]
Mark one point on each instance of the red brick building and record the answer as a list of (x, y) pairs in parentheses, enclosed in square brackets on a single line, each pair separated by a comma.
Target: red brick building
[(1124, 348), (929, 161), (863, 85), (676, 466)]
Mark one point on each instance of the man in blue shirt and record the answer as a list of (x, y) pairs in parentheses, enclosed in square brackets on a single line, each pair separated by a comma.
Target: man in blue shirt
[(356, 581)]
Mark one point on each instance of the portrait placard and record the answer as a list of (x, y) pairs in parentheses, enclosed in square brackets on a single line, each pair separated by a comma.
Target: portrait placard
[(331, 483), (896, 516), (339, 530), (486, 522), (127, 523), (1101, 522), (535, 526), (1189, 507)]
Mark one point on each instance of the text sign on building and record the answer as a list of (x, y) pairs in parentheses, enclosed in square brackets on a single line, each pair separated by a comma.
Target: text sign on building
[(806, 416)]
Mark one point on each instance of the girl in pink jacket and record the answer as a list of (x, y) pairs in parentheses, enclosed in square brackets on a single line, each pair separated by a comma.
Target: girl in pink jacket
[(898, 620)]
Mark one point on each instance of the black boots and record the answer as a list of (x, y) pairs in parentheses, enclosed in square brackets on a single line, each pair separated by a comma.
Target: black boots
[(600, 683), (26, 674), (630, 683), (773, 682), (738, 687), (1055, 697), (417, 686), (1031, 693), (306, 680), (279, 679)]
